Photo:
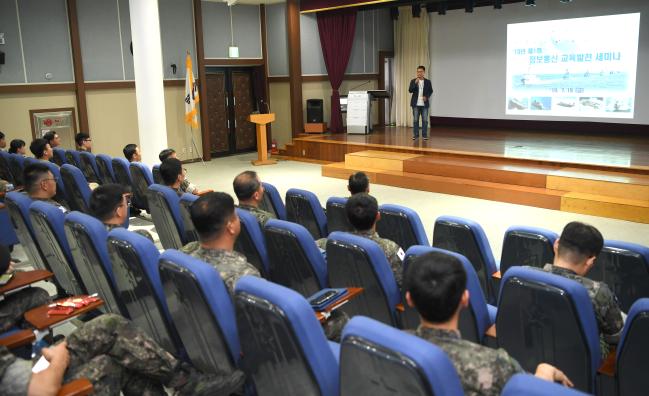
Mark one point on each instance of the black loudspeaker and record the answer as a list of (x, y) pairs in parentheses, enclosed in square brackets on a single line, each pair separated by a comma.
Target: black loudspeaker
[(314, 111), (2, 58)]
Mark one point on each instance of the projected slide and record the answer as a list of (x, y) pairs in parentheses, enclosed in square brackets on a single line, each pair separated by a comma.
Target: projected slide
[(583, 67)]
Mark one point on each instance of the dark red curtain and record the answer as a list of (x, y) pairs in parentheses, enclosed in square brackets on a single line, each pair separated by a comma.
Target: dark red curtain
[(336, 37)]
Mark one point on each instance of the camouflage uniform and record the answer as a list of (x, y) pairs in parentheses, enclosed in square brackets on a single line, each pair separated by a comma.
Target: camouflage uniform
[(14, 306), (607, 309), (483, 371), (261, 215), (3, 186), (114, 355), (187, 187), (392, 251), (231, 265), (144, 233)]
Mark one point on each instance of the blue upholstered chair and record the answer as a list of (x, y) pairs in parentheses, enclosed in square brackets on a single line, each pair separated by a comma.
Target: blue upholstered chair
[(155, 172), (59, 156), (632, 364), (88, 166), (529, 385), (18, 208), (401, 225), (122, 174), (354, 261), (251, 242), (77, 187), (284, 348), (272, 201), (303, 207), (142, 178), (186, 201), (8, 235), (337, 215), (543, 317), (164, 206), (73, 157), (200, 305), (531, 246), (17, 166), (105, 168), (5, 168), (294, 258), (379, 360), (467, 237)]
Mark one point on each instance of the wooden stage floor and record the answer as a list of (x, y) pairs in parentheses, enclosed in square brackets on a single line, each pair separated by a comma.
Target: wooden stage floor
[(561, 148)]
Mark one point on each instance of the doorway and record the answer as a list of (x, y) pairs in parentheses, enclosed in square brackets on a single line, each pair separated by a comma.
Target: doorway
[(230, 100)]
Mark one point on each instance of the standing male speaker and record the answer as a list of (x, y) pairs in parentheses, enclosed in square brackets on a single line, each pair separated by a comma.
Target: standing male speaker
[(421, 90)]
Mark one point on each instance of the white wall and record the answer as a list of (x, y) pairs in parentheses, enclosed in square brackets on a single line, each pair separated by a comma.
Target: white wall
[(468, 56)]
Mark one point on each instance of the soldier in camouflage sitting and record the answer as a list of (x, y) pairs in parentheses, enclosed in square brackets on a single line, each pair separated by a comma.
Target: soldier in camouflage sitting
[(40, 185), (250, 193), (436, 287), (109, 204), (185, 186), (363, 213), (575, 253), (173, 174)]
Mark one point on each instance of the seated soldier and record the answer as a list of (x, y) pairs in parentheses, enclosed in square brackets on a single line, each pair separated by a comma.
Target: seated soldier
[(17, 146), (132, 153), (40, 184), (250, 193), (575, 253), (3, 141), (173, 174), (83, 142), (186, 185), (109, 204), (358, 183), (218, 227), (436, 287), (53, 139), (14, 305), (363, 213), (114, 355), (41, 149)]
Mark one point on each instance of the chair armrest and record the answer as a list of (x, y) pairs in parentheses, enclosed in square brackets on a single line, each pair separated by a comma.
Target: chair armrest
[(78, 387), (203, 192), (18, 339)]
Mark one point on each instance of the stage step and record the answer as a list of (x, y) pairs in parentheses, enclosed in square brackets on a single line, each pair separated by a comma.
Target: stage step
[(384, 160), (613, 184), (606, 206)]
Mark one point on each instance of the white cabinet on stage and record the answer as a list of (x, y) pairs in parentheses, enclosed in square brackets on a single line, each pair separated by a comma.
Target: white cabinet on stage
[(358, 112)]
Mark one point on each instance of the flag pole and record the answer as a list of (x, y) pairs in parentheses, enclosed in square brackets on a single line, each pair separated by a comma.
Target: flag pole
[(190, 90)]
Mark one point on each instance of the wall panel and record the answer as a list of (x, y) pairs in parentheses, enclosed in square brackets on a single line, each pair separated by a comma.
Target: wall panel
[(276, 39), (12, 72), (177, 35)]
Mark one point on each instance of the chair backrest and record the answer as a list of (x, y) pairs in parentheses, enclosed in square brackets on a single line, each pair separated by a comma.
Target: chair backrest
[(17, 165), (59, 156), (467, 237), (530, 385), (379, 360), (186, 201), (73, 157), (294, 258), (198, 299), (272, 201), (47, 221), (632, 351), (284, 347), (122, 174), (543, 317), (87, 238), (142, 179), (401, 225), (61, 193), (251, 242), (337, 215), (303, 207), (88, 166), (155, 172), (624, 267), (5, 168), (354, 261), (474, 321), (8, 235), (137, 280), (529, 246), (18, 207), (164, 206), (77, 187), (105, 168)]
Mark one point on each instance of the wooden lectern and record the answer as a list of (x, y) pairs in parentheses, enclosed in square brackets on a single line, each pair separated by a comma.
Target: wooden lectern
[(262, 147)]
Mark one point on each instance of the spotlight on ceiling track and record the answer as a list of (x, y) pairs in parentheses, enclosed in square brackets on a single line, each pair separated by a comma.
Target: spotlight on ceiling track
[(416, 10), (498, 4), (442, 7), (530, 3), (468, 5)]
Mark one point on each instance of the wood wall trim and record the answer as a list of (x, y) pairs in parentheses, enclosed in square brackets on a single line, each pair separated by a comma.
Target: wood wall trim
[(202, 80), (276, 79), (264, 53), (381, 82), (324, 77), (77, 65), (294, 65), (233, 62), (560, 126), (110, 85), (30, 88)]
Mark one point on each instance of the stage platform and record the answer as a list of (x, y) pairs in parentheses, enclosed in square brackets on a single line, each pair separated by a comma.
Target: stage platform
[(600, 175)]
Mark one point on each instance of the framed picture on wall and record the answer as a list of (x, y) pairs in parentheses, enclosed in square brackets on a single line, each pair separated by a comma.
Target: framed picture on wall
[(63, 121)]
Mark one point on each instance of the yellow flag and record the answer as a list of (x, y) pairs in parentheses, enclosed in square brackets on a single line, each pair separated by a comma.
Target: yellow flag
[(191, 95)]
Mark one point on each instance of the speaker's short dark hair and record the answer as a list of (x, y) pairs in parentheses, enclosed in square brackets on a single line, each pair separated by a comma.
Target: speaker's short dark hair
[(32, 174), (436, 282), (210, 213), (49, 136), (164, 154), (38, 146), (15, 145), (129, 150), (421, 67), (361, 211), (169, 170), (579, 241), (358, 183), (245, 184), (80, 137), (105, 199)]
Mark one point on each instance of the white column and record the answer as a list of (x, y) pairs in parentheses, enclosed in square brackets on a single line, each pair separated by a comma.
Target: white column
[(149, 88)]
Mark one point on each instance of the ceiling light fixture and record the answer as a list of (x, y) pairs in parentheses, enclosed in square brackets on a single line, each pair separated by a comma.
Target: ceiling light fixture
[(233, 50)]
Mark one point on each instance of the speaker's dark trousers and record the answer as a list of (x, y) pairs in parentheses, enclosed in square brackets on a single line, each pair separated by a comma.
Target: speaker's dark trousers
[(416, 112)]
